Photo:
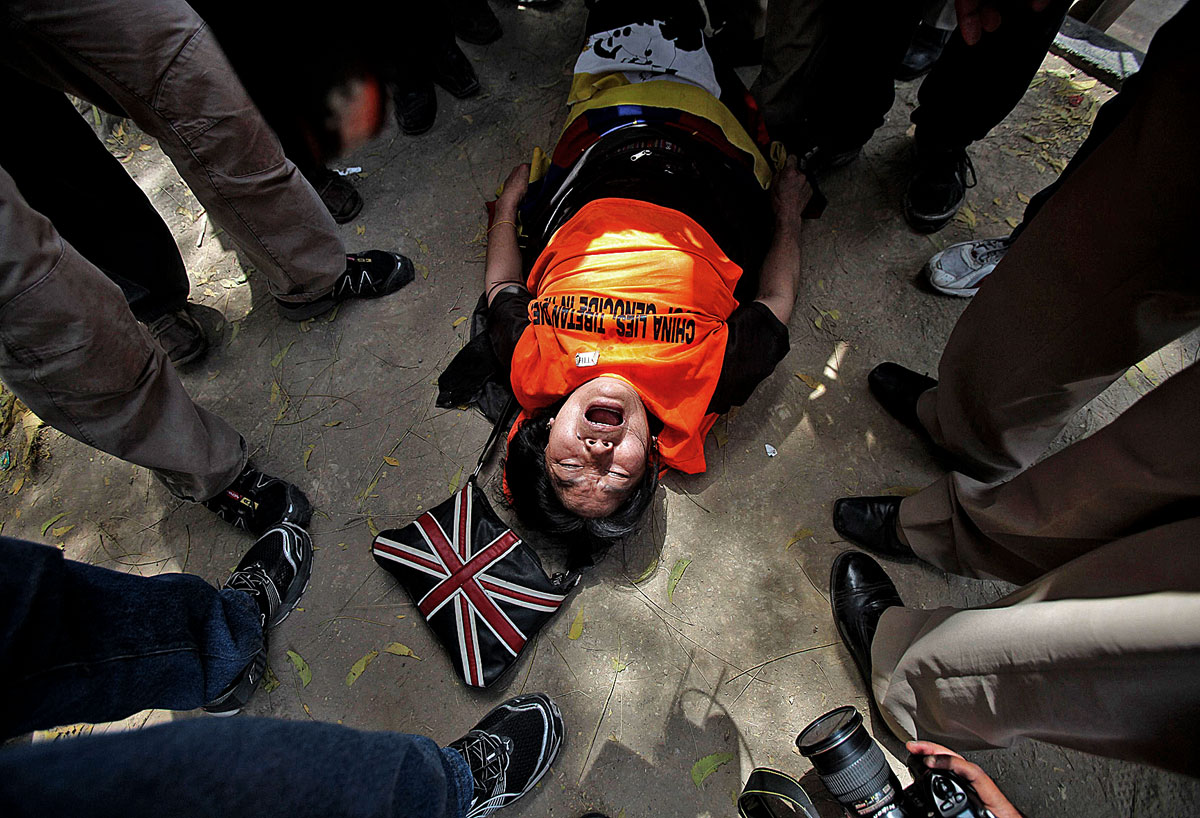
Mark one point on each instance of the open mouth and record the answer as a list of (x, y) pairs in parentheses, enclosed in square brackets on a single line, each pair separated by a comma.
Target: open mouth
[(604, 416)]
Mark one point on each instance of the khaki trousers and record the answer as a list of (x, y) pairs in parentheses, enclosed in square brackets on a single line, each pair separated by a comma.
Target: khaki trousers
[(73, 352), (158, 62), (1100, 650)]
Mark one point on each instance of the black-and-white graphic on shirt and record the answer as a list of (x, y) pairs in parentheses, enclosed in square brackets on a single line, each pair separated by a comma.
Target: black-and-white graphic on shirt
[(642, 52)]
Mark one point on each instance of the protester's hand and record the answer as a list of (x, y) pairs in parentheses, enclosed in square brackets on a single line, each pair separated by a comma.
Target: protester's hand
[(514, 191), (978, 16), (937, 757), (790, 192)]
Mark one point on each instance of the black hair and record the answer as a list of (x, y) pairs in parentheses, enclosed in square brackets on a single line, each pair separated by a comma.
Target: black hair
[(530, 492)]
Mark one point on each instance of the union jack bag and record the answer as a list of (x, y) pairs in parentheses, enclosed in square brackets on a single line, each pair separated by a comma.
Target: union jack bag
[(480, 587)]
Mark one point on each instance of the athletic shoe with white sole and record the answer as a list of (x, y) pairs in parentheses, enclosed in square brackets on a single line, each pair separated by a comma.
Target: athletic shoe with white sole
[(275, 573), (959, 269), (256, 501), (372, 274), (509, 751)]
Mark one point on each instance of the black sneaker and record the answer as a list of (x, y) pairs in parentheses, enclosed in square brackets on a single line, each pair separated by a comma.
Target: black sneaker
[(509, 751), (275, 573), (180, 335), (937, 188), (257, 501), (337, 193), (415, 105), (371, 274), (452, 70)]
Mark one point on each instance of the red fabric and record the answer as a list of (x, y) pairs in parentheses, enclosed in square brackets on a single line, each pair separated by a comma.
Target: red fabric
[(646, 291)]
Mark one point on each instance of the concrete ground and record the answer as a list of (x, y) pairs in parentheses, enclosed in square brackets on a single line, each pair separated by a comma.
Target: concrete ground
[(742, 652)]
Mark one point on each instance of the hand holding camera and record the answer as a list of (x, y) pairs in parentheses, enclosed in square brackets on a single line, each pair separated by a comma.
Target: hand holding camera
[(937, 757)]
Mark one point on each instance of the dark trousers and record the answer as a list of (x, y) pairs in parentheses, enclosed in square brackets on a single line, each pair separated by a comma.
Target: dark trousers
[(836, 90), (90, 198), (82, 643)]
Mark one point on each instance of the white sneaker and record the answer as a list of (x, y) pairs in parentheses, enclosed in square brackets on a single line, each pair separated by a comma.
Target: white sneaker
[(960, 268)]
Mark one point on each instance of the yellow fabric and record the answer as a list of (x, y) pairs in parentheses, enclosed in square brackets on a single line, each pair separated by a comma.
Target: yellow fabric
[(589, 92)]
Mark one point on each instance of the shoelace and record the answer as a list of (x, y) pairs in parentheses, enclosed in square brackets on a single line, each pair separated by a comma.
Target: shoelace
[(487, 755), (989, 252), (254, 582)]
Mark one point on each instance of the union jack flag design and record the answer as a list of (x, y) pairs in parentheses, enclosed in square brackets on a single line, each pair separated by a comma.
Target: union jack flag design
[(482, 590)]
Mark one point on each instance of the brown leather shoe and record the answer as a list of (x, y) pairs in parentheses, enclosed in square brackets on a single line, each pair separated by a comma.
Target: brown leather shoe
[(180, 335)]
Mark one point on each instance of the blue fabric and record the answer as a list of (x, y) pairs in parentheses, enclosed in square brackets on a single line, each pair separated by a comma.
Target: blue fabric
[(236, 767), (83, 643)]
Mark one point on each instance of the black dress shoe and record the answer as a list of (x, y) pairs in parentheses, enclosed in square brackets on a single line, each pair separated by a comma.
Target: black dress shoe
[(859, 593), (415, 105), (452, 70), (926, 45), (897, 389), (871, 523)]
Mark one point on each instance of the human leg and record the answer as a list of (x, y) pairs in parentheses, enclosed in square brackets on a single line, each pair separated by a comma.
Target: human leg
[(91, 200), (1137, 472), (162, 65), (72, 351), (243, 766), (83, 643), (1100, 655), (1094, 289)]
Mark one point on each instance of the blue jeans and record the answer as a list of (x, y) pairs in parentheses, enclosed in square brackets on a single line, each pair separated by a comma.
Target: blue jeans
[(82, 643)]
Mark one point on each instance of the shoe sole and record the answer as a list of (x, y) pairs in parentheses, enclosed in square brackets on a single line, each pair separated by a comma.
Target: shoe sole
[(926, 224)]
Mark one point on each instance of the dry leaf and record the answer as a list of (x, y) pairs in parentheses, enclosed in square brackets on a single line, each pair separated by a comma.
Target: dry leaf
[(391, 461), (279, 356), (455, 479), (374, 529), (801, 534), (809, 380), (576, 630), (397, 649), (302, 669), (458, 321), (1024, 199), (60, 531), (360, 230), (332, 423), (1013, 223), (676, 575), (270, 681), (46, 525), (358, 667), (307, 454)]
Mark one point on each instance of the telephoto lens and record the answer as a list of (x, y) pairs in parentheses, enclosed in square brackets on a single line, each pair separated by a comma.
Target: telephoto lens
[(851, 765)]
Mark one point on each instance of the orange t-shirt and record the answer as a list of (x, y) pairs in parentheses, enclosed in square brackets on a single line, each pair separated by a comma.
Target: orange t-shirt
[(637, 291)]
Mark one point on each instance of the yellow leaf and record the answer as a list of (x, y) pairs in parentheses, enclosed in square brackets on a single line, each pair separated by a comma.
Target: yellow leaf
[(966, 216), (809, 380), (270, 681), (676, 575), (706, 766), (360, 230), (391, 461), (576, 630), (423, 269), (650, 569), (279, 356), (1024, 199), (46, 525), (455, 479), (60, 531), (801, 534), (17, 485), (618, 665), (374, 529), (901, 491), (302, 669), (332, 423), (458, 321), (397, 649), (468, 118), (307, 454), (212, 376), (274, 392), (1012, 222), (358, 667), (143, 147)]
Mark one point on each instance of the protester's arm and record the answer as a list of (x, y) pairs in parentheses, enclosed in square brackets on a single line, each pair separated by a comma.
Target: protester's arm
[(503, 265), (937, 757), (780, 275), (978, 16)]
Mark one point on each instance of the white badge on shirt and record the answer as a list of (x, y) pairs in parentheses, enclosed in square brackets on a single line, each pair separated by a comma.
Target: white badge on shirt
[(587, 358)]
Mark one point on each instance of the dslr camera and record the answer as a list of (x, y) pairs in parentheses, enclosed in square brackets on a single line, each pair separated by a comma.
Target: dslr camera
[(852, 767)]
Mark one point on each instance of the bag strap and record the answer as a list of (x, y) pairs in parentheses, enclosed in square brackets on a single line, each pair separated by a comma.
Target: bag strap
[(501, 425), (764, 787)]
